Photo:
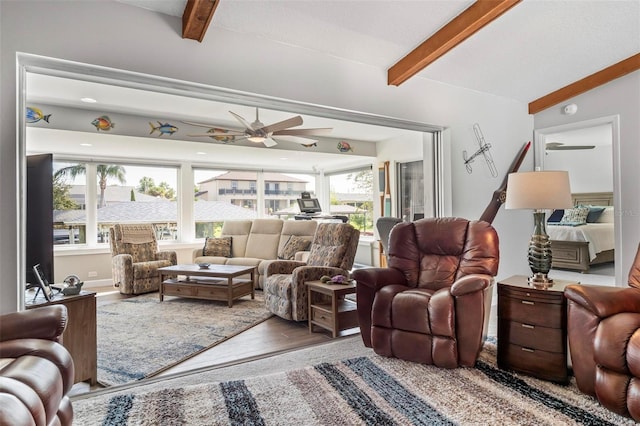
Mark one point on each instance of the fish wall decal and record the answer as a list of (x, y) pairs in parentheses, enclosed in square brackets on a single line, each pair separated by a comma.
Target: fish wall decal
[(103, 123), (163, 128), (35, 114), (344, 147)]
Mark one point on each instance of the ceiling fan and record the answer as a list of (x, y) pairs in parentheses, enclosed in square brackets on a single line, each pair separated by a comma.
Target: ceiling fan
[(559, 146), (259, 133)]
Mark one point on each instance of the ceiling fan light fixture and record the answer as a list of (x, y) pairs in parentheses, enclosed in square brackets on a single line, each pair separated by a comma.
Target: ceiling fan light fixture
[(257, 139)]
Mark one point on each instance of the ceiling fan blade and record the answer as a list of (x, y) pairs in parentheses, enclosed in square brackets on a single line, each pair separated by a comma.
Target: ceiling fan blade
[(284, 124), (268, 142), (309, 132), (242, 121), (558, 146), (296, 139)]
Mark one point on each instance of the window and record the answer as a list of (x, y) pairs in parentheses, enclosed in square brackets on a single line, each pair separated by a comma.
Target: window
[(69, 192), (282, 203), (352, 196), (123, 193), (410, 179), (222, 195)]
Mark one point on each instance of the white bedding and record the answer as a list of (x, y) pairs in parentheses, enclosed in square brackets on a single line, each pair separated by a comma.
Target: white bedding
[(599, 235)]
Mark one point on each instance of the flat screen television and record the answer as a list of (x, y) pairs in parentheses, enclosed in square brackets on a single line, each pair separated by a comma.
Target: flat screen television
[(39, 217), (309, 205)]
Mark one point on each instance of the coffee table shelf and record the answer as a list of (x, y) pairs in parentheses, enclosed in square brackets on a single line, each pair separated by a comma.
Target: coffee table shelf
[(218, 282)]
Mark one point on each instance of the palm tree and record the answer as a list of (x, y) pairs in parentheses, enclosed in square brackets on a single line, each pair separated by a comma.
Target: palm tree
[(104, 172)]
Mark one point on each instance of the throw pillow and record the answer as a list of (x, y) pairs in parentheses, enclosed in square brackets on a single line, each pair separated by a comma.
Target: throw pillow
[(594, 214), (293, 245), (556, 216), (576, 215), (607, 215), (217, 247)]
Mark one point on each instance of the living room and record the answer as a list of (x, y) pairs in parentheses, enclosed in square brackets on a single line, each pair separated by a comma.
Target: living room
[(111, 37)]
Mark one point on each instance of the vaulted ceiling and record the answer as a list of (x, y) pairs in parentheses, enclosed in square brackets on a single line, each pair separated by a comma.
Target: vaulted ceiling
[(522, 50)]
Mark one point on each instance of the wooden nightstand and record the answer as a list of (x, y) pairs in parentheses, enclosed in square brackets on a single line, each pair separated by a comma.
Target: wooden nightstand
[(532, 329), (333, 313)]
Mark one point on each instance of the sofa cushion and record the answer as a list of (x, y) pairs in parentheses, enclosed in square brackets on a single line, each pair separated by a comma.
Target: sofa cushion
[(300, 228), (263, 238), (217, 247), (293, 245), (238, 230)]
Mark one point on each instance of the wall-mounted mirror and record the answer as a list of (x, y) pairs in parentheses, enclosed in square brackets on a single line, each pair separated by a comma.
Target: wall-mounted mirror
[(585, 150)]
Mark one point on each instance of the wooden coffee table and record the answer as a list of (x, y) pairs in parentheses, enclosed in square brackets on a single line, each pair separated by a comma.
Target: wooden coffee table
[(218, 282)]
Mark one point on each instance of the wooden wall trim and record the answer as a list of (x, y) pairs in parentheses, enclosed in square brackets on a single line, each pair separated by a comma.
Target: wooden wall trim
[(196, 18), (472, 19), (599, 78)]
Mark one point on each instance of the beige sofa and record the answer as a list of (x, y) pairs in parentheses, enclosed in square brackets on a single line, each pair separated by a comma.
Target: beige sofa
[(253, 242)]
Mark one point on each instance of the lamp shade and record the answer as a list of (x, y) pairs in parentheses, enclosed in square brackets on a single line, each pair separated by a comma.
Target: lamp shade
[(538, 190)]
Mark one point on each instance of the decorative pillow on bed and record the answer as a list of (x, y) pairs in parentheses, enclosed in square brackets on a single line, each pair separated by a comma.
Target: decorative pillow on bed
[(574, 216), (217, 247), (607, 215), (556, 216), (293, 245), (594, 214)]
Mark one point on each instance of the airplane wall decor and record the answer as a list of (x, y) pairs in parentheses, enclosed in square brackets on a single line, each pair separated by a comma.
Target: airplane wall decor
[(484, 150)]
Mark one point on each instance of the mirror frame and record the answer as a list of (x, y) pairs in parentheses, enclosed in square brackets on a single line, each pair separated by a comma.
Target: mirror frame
[(540, 138)]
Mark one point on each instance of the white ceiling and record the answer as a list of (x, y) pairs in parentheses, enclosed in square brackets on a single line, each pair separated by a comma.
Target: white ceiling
[(536, 47)]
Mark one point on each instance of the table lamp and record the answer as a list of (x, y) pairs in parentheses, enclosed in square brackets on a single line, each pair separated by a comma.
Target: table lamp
[(539, 190)]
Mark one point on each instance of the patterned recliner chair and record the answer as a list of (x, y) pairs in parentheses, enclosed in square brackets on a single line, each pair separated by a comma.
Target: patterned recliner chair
[(332, 252), (136, 258)]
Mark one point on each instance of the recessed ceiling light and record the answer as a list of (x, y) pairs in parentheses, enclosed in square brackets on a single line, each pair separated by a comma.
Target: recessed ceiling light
[(201, 153), (88, 100), (86, 144)]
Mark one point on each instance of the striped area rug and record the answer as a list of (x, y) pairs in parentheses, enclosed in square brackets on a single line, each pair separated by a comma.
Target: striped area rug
[(367, 390)]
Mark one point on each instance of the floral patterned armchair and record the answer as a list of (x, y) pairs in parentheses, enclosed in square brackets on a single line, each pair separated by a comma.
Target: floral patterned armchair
[(332, 252), (136, 259)]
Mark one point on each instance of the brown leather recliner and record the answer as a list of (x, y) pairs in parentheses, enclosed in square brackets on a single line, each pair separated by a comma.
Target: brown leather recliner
[(36, 372), (432, 304), (604, 341)]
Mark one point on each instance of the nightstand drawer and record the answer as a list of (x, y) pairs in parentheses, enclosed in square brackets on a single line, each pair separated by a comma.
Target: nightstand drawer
[(322, 316), (534, 336), (542, 364), (530, 311)]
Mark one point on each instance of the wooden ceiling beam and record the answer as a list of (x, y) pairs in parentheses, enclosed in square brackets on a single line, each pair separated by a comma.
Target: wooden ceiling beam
[(472, 19), (592, 81), (196, 18)]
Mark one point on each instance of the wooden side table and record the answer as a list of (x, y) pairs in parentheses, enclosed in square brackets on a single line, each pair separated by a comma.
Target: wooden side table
[(329, 309), (532, 329), (79, 336)]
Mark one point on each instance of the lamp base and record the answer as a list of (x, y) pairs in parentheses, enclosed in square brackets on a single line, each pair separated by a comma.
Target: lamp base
[(540, 280)]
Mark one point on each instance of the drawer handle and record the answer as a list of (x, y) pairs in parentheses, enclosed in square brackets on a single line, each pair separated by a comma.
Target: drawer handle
[(528, 326), (528, 350), (527, 302)]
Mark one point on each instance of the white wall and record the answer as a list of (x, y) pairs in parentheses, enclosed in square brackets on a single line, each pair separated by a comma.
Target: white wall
[(120, 36), (620, 97)]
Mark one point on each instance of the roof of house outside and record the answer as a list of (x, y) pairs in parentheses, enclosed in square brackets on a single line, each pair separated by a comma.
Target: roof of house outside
[(112, 194), (155, 212), (268, 176)]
